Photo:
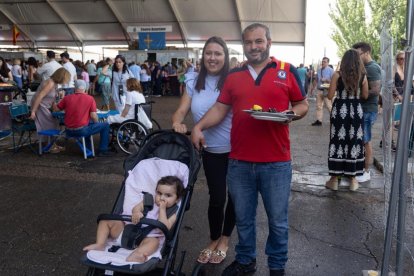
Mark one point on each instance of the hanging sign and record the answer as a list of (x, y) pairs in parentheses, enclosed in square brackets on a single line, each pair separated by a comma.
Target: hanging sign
[(149, 29)]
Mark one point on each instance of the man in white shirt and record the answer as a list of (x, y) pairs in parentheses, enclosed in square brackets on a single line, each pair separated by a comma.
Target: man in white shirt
[(49, 67), (70, 86), (135, 70)]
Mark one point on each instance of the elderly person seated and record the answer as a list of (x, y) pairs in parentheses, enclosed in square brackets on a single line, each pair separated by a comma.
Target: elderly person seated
[(80, 108)]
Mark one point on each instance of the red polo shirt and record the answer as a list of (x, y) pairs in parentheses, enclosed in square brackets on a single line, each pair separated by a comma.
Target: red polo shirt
[(275, 87), (77, 108)]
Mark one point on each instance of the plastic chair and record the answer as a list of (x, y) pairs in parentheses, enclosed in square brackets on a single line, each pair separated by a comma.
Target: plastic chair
[(21, 125)]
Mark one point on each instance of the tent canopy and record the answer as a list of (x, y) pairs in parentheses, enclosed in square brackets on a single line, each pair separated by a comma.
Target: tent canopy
[(52, 23)]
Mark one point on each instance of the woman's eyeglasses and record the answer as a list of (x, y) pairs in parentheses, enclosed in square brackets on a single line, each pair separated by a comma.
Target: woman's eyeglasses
[(400, 58)]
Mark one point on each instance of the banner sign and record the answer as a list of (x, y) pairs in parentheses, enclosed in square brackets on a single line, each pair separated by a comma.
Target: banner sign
[(149, 29), (151, 41)]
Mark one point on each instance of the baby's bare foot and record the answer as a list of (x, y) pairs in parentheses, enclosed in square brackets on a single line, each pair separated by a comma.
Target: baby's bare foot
[(137, 257), (95, 246)]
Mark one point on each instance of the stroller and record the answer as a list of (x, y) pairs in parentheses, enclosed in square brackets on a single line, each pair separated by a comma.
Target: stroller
[(166, 153)]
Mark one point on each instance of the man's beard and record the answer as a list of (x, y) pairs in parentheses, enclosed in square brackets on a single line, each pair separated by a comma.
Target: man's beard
[(263, 56)]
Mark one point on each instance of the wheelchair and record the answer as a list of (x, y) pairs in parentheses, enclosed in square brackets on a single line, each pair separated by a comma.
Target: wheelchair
[(130, 134)]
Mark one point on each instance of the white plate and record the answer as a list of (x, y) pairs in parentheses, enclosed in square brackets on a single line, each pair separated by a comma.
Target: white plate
[(249, 111), (102, 111), (270, 114), (277, 114), (269, 118)]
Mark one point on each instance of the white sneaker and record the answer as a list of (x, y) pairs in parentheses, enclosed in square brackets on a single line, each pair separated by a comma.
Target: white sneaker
[(364, 177)]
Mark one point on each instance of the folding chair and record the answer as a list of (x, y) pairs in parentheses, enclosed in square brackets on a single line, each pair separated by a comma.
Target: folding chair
[(22, 125)]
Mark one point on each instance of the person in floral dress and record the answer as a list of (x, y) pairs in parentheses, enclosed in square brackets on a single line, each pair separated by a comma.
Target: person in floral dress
[(346, 146)]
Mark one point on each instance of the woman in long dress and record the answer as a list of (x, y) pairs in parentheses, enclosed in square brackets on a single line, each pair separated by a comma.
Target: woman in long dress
[(346, 146), (42, 101)]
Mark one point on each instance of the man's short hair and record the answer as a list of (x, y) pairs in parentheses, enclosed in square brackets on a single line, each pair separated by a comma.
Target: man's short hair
[(326, 59), (254, 26), (50, 54), (364, 46), (64, 55), (80, 85)]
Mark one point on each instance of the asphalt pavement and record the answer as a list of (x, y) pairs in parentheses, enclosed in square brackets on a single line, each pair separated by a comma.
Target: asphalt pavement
[(49, 206)]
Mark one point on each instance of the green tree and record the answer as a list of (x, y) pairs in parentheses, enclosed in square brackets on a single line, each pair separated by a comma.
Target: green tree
[(349, 17)]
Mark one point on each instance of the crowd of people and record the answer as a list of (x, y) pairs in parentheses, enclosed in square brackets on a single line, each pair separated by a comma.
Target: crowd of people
[(238, 163)]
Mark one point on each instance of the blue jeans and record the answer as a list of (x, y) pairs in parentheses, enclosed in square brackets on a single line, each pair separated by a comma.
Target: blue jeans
[(369, 120), (19, 81), (102, 128), (272, 180)]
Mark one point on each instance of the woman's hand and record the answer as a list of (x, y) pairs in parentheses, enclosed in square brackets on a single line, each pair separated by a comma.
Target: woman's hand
[(180, 128), (32, 115)]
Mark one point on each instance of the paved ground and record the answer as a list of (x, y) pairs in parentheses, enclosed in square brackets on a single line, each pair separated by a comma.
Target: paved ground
[(49, 206)]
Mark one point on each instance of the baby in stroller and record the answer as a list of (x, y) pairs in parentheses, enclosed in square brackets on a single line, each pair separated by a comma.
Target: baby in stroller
[(169, 190)]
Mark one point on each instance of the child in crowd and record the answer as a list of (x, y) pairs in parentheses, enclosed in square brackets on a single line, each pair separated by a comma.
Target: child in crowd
[(17, 73), (168, 192)]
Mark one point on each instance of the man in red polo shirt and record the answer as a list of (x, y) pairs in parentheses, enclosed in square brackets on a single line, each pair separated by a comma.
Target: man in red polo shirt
[(80, 109), (260, 150)]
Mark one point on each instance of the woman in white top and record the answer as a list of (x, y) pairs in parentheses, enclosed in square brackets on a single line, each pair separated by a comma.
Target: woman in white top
[(120, 74), (145, 76), (133, 96), (200, 93)]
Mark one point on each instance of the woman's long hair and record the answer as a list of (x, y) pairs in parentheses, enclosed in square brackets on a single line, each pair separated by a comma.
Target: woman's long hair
[(201, 80), (352, 69), (32, 61), (4, 69), (145, 67), (124, 67)]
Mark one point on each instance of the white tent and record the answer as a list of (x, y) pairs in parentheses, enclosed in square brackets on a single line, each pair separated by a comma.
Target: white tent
[(54, 23)]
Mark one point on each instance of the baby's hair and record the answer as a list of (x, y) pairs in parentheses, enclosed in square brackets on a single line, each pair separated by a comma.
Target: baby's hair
[(133, 84), (171, 180)]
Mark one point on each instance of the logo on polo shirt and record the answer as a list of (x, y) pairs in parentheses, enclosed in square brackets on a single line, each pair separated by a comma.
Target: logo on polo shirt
[(281, 74)]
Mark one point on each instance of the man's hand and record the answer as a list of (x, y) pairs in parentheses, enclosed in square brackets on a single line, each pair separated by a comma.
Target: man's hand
[(197, 137)]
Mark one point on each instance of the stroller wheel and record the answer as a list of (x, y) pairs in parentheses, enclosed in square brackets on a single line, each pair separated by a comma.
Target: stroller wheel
[(198, 270), (92, 271)]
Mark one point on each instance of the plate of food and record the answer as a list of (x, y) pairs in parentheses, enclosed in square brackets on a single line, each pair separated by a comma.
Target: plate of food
[(270, 118), (257, 110)]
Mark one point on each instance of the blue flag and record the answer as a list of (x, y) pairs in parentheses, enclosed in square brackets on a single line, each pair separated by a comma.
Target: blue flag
[(151, 41)]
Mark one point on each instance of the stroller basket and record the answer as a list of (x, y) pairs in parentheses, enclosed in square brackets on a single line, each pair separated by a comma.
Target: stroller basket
[(160, 148)]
